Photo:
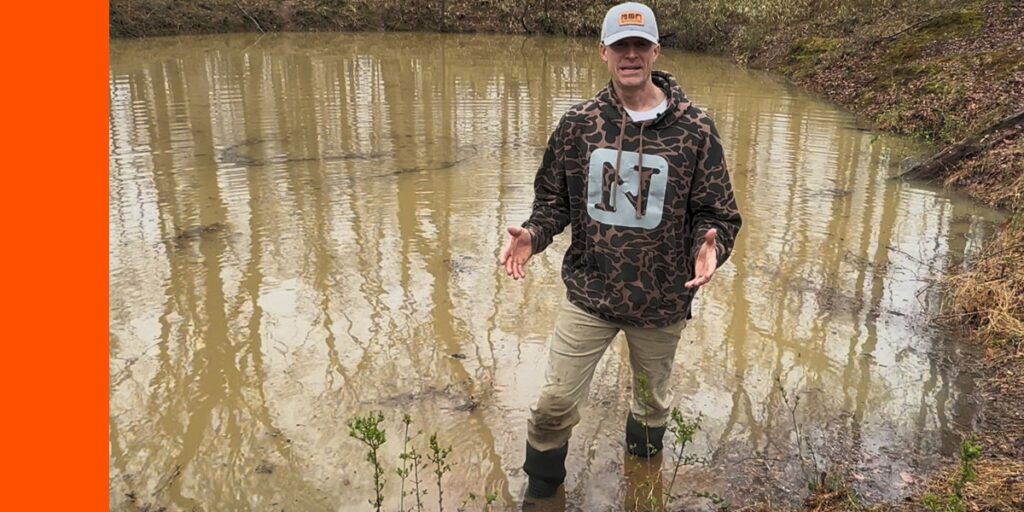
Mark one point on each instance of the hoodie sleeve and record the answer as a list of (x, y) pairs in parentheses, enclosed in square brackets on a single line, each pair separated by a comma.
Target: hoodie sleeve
[(712, 204), (551, 196)]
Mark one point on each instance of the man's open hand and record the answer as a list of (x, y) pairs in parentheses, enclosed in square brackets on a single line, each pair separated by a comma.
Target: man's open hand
[(517, 252), (707, 261)]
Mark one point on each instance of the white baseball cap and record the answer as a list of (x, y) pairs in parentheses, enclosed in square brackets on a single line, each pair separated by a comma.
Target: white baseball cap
[(630, 19)]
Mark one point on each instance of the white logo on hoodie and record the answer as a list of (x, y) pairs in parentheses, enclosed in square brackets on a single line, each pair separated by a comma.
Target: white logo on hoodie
[(624, 204)]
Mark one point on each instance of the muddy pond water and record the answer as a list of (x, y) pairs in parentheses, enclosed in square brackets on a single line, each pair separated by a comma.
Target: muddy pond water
[(304, 228)]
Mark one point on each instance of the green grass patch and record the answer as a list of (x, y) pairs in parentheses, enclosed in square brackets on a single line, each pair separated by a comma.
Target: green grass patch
[(811, 47), (1002, 62), (805, 54), (891, 120), (944, 27), (904, 74)]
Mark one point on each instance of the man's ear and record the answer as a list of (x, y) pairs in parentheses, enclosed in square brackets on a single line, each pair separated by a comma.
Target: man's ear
[(603, 50), (657, 51)]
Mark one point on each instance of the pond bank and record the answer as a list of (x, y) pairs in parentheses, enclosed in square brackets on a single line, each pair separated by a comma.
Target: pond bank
[(903, 65), (946, 75)]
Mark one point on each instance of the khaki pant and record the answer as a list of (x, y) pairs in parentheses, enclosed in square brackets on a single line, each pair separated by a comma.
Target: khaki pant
[(579, 341)]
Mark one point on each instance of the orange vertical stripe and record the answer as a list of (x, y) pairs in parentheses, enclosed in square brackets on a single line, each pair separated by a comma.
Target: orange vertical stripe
[(54, 211)]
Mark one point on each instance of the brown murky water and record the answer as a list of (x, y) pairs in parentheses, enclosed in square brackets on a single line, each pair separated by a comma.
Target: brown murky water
[(304, 228)]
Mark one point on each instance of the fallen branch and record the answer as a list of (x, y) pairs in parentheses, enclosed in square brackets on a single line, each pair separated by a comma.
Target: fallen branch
[(910, 27), (247, 15), (970, 146), (522, 18)]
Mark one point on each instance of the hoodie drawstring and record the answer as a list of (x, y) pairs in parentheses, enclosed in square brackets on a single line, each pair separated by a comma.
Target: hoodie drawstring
[(640, 177), (618, 160), (639, 207)]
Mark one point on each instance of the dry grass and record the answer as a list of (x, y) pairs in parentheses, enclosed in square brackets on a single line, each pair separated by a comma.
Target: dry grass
[(833, 500), (987, 294), (999, 486)]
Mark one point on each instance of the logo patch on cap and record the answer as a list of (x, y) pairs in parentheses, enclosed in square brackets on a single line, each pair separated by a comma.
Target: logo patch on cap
[(631, 18)]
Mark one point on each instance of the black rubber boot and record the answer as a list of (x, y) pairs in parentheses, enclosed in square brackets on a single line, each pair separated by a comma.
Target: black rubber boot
[(545, 469), (643, 441)]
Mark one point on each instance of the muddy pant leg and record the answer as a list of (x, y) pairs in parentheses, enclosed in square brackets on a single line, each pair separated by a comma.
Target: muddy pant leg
[(577, 344), (651, 354)]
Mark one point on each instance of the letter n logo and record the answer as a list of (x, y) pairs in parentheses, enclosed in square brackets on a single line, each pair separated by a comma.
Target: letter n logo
[(638, 190)]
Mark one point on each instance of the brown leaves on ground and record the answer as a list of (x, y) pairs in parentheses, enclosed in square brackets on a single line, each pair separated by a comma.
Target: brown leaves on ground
[(940, 69), (995, 177)]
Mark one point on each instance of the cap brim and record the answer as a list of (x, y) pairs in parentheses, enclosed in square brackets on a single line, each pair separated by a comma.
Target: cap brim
[(618, 36)]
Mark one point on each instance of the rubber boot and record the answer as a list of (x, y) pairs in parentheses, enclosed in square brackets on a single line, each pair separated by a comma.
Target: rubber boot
[(643, 441), (545, 469)]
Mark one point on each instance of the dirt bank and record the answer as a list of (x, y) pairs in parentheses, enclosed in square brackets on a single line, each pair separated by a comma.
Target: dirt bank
[(945, 72)]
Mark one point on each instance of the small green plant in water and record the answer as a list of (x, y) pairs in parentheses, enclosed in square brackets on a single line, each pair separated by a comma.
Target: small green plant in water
[(819, 481), (970, 453), (469, 503), (490, 499), (411, 463), (812, 472), (683, 431), (438, 456), (367, 430)]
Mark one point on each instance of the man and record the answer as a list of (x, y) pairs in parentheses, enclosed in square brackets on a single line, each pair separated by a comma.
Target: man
[(639, 173)]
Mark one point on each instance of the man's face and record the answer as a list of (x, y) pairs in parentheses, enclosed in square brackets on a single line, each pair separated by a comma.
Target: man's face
[(630, 61)]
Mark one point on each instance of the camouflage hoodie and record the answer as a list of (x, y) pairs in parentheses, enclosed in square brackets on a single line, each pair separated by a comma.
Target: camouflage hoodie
[(640, 197)]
